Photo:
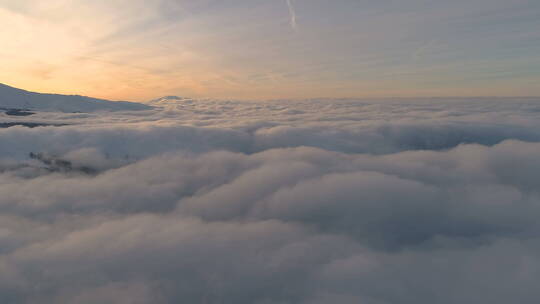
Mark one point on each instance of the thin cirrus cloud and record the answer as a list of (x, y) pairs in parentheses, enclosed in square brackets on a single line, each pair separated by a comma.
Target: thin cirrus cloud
[(243, 49), (292, 13)]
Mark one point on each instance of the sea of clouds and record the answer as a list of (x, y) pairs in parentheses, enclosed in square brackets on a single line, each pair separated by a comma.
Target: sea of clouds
[(319, 201)]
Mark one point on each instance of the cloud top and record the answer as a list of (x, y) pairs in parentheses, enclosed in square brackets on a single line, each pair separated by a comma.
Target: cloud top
[(205, 201)]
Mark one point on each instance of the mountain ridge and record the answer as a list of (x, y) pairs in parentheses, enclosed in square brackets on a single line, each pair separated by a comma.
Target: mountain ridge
[(15, 98)]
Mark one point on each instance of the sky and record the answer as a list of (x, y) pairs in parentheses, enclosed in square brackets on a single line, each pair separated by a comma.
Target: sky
[(271, 49)]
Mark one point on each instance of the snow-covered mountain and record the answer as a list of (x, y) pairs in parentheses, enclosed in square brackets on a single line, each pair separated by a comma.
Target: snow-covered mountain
[(168, 100), (13, 98)]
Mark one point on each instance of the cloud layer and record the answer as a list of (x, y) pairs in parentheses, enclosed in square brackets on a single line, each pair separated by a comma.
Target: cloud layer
[(395, 201)]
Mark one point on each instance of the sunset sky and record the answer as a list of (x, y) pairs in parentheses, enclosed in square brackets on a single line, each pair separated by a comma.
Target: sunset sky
[(269, 49)]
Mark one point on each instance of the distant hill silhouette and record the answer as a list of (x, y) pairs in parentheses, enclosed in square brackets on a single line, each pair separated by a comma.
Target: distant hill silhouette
[(13, 98)]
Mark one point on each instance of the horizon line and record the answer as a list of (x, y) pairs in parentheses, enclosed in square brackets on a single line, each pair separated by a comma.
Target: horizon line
[(290, 98)]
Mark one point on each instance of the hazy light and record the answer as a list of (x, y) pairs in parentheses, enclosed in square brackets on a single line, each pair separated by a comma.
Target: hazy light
[(246, 49)]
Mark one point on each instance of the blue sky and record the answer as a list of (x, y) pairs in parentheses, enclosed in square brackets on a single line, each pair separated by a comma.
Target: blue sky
[(258, 50)]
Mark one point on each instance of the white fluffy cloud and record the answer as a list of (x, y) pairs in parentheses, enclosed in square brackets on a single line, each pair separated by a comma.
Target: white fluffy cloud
[(280, 202)]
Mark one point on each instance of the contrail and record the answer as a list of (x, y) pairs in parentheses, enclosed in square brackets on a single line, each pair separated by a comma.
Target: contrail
[(292, 12)]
